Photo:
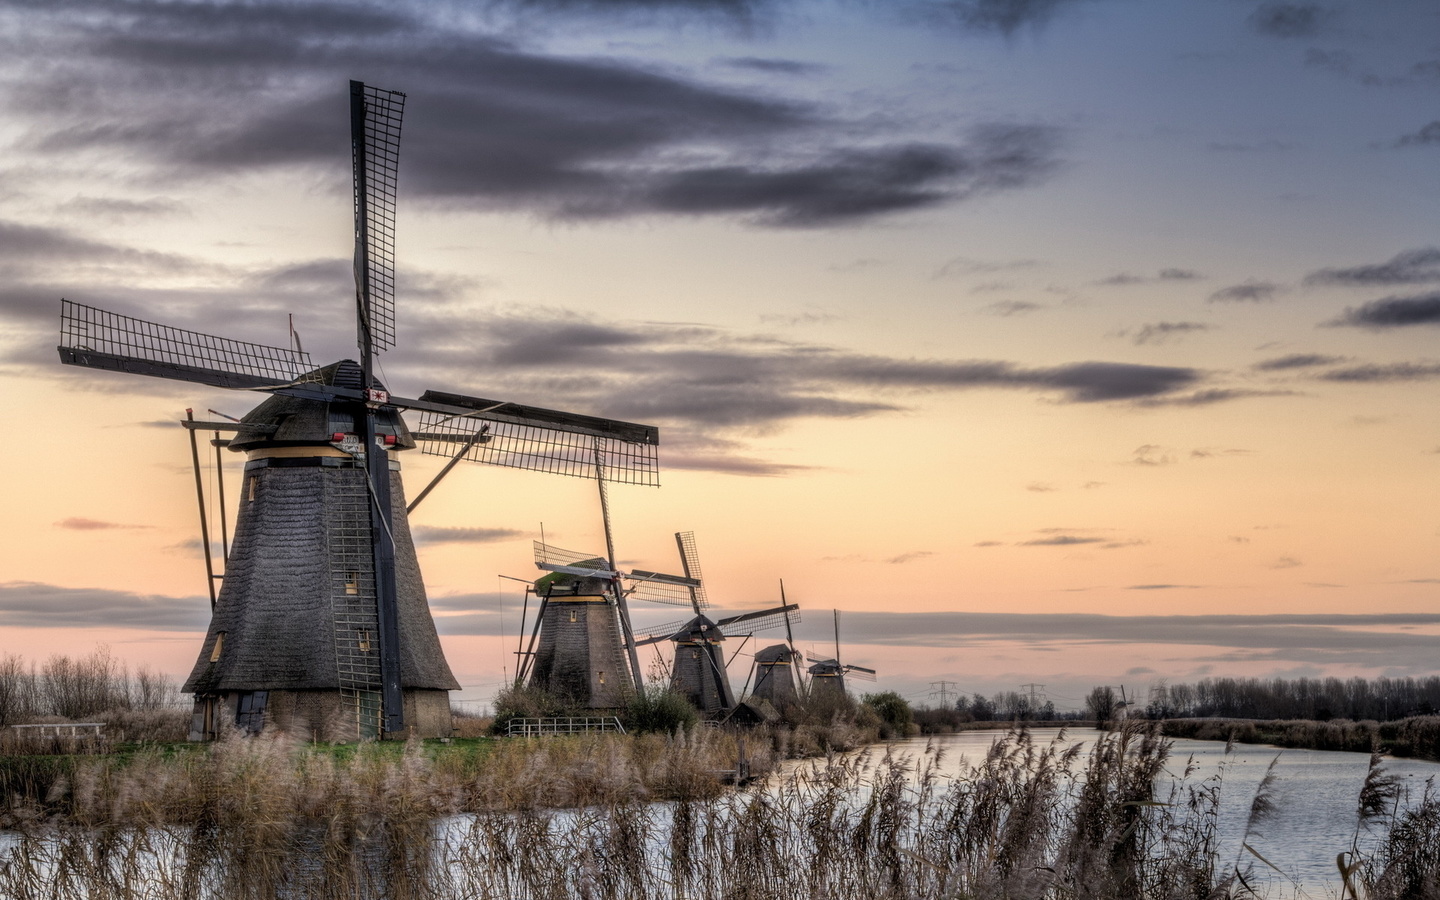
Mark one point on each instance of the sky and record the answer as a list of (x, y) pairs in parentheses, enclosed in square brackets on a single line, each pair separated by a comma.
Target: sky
[(1061, 342)]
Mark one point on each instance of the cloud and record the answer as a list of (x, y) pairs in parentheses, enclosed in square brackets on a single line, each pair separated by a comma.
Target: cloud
[(1164, 332), (1008, 308), (1164, 587), (1061, 540), (1287, 20), (1425, 137), (774, 66), (79, 524), (489, 125), (1286, 562), (1362, 640), (909, 557), (25, 604), (435, 534), (1001, 16), (1040, 487), (1172, 274), (1251, 291), (1151, 455), (1393, 312), (1418, 266), (1393, 372), (1296, 361)]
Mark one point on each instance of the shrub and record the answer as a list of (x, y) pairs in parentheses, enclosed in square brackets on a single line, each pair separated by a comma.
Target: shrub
[(896, 717)]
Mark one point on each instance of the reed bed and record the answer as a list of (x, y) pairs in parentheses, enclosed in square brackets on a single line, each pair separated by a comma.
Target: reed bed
[(615, 818)]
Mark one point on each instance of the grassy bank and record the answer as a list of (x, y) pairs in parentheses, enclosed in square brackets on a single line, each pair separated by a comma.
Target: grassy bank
[(262, 819), (1417, 736)]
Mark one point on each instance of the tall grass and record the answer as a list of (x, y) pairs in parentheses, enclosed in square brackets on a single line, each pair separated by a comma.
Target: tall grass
[(607, 817)]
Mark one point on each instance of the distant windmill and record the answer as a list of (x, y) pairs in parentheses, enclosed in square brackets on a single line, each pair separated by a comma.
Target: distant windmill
[(776, 674), (827, 676), (581, 647), (699, 670), (321, 626)]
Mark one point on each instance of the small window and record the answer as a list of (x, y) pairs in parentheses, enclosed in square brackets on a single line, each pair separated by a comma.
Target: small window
[(574, 616), (219, 647), (253, 479), (601, 675), (352, 582), (364, 641)]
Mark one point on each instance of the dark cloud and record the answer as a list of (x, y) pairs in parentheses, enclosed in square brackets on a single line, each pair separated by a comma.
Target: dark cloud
[(1287, 20), (26, 604), (1126, 278), (1251, 291), (1209, 397), (1387, 373), (1061, 540), (490, 125), (1297, 361), (1164, 587), (435, 534), (1367, 640), (1178, 275), (780, 66), (1425, 137), (1163, 332), (1008, 308), (76, 523), (909, 557), (1420, 266), (702, 453), (1001, 16), (1394, 312)]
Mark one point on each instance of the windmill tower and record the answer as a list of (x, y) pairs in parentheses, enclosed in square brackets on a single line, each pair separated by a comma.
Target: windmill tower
[(321, 626), (699, 670), (827, 676)]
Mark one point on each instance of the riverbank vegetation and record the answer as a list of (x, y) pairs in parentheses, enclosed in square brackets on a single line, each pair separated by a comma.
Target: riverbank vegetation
[(565, 818), (1418, 736)]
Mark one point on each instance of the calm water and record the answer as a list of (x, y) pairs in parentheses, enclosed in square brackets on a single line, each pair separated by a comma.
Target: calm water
[(1316, 790)]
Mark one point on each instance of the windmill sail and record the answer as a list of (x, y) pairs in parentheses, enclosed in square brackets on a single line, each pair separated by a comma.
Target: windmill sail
[(375, 151), (541, 440), (105, 340)]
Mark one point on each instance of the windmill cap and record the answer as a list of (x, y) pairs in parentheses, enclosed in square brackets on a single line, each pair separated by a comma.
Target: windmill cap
[(296, 421)]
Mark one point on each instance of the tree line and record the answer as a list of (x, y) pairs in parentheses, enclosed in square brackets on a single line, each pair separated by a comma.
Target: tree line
[(1320, 699)]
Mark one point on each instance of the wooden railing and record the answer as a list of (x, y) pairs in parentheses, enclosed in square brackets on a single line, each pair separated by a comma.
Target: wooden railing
[(548, 725)]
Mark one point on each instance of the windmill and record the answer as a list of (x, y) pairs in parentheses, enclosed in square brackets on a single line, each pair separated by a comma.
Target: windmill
[(776, 673), (321, 625), (827, 676), (582, 646), (699, 670)]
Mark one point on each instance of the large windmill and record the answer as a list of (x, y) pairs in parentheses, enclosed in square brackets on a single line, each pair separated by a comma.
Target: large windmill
[(827, 676), (699, 670), (321, 625)]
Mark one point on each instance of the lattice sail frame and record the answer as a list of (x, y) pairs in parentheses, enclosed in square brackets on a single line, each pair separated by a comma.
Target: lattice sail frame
[(764, 622), (375, 153), (113, 341), (547, 555), (539, 448)]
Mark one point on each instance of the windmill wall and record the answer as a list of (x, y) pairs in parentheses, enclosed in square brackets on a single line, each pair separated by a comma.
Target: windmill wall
[(699, 674), (775, 676), (826, 682), (296, 614), (581, 656)]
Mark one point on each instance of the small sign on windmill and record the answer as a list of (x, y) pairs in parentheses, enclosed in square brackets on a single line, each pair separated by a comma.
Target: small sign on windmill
[(321, 626)]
